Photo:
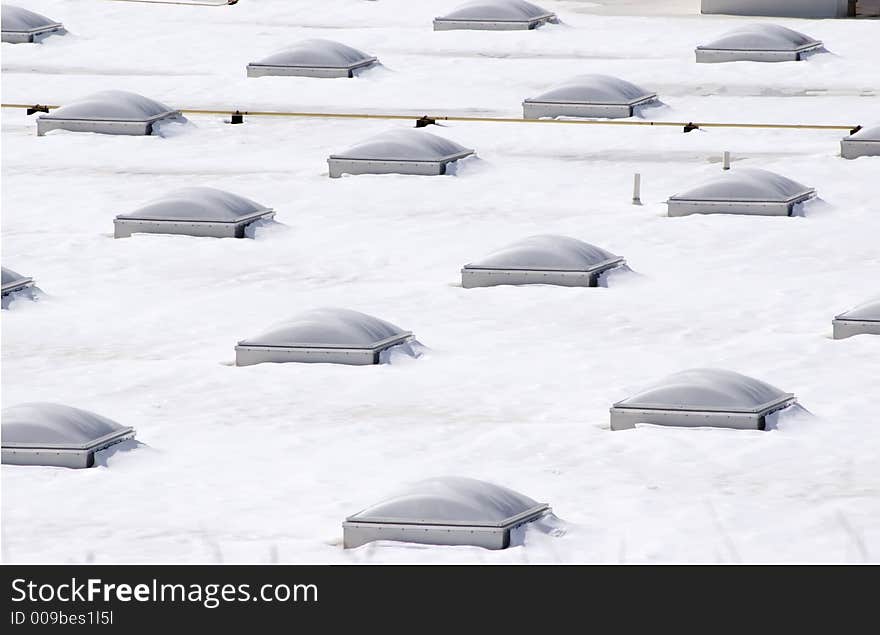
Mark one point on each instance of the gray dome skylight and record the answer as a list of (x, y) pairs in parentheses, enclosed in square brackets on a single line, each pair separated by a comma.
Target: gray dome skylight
[(861, 320), (446, 510), (21, 25), (547, 252), (495, 15), (863, 143), (55, 434), (702, 397), (329, 335), (199, 204), (403, 151), (194, 211), (762, 37), (108, 112), (592, 95), (313, 58)]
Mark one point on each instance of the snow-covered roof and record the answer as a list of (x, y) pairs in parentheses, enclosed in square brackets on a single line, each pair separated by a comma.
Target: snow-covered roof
[(546, 253), (706, 389), (867, 312), (451, 501), (11, 277), (866, 134), (329, 328), (317, 53), (21, 20), (54, 425), (745, 184), (594, 89), (116, 105), (497, 11), (761, 37), (404, 145), (198, 204)]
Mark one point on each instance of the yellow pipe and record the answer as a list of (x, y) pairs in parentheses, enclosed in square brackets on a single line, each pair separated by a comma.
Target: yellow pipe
[(594, 122)]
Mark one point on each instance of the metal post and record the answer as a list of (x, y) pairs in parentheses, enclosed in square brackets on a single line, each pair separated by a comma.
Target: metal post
[(726, 163), (637, 189)]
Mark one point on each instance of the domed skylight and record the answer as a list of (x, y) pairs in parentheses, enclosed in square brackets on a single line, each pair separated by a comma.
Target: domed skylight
[(742, 191), (447, 511), (589, 96), (108, 112), (20, 25), (313, 58), (861, 320), (14, 285), (758, 43), (194, 211), (403, 151), (58, 435), (864, 143), (329, 335), (547, 259), (495, 15), (702, 397)]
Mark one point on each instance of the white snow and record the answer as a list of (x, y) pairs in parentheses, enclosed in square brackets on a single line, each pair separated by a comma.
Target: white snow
[(516, 387)]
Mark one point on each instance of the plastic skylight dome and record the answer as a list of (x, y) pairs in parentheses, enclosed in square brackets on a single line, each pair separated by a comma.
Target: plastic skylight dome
[(323, 335), (547, 252), (313, 58), (702, 397), (402, 151), (591, 95), (742, 191), (861, 320), (21, 25), (864, 143), (594, 89), (495, 15), (12, 278), (869, 311), (547, 259), (108, 112), (707, 389), (317, 52), (498, 11), (199, 204), (446, 510), (762, 37), (111, 104), (404, 145), (55, 434), (746, 184)]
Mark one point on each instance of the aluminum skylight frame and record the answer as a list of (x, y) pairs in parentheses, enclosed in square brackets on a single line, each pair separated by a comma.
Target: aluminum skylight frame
[(125, 227), (105, 125), (70, 455), (256, 69), (473, 276), (438, 532), (339, 165), (317, 353), (679, 206), (625, 417)]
